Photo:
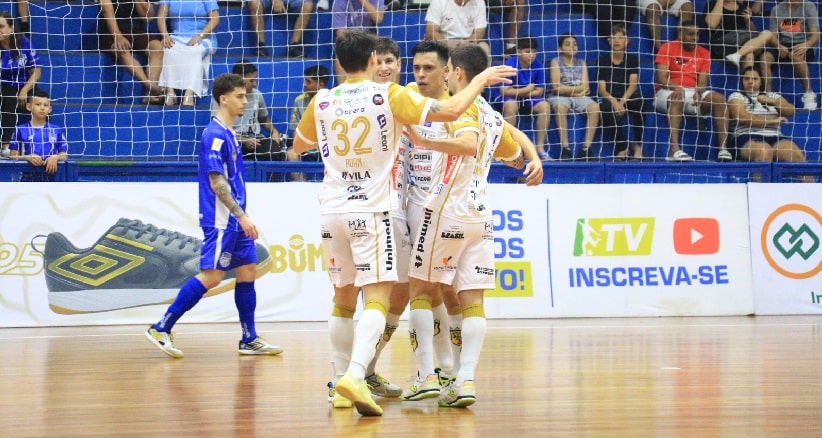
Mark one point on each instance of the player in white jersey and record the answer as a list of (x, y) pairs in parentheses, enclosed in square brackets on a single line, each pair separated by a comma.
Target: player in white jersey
[(356, 126), (455, 238)]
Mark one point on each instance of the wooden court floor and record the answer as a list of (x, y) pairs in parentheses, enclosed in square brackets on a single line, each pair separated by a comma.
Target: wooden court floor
[(621, 377)]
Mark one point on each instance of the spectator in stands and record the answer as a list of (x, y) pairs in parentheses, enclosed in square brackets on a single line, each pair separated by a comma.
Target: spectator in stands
[(513, 13), (355, 14), (620, 100), (682, 80), (20, 69), (256, 146), (758, 117), (526, 94), (796, 24), (608, 13), (37, 141), (457, 22), (570, 91), (653, 10), (302, 8), (733, 35), (23, 17), (123, 31), (315, 78), (188, 50)]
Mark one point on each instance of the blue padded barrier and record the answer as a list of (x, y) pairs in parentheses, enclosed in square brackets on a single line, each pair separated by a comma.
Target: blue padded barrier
[(685, 173), (16, 171)]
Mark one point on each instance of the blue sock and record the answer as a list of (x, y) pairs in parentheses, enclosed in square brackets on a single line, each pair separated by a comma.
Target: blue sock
[(245, 297), (189, 295)]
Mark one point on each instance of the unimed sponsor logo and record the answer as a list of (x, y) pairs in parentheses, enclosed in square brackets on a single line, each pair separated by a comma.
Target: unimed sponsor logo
[(790, 240), (622, 236)]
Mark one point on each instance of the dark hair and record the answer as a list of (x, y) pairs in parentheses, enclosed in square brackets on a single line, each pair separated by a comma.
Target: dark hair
[(353, 49), (244, 68), (687, 23), (742, 75), (386, 44), (527, 43), (564, 37), (38, 92), (226, 83), (470, 58), (437, 47), (618, 27), (317, 72), (14, 41)]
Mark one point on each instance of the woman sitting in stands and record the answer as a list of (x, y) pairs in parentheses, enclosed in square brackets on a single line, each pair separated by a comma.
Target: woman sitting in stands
[(188, 48), (758, 117), (19, 73)]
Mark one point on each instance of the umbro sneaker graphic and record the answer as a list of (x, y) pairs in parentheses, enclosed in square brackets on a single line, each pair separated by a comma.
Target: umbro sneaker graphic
[(133, 264)]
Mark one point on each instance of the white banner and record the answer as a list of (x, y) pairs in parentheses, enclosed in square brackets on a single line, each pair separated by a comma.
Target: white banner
[(649, 250), (786, 234)]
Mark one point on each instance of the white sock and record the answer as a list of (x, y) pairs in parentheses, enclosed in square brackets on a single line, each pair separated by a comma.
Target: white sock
[(368, 332), (442, 342), (421, 325), (391, 323), (341, 335), (473, 335), (455, 332)]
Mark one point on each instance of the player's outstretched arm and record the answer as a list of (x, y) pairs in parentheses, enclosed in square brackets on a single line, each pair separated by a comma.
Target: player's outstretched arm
[(449, 109)]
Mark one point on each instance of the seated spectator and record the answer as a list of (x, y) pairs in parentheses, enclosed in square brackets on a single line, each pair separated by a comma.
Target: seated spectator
[(315, 78), (20, 69), (653, 10), (570, 90), (23, 17), (188, 50), (526, 94), (37, 141), (513, 12), (256, 146), (457, 22), (302, 8), (609, 13), (123, 32), (682, 78), (733, 35), (796, 24), (355, 14), (758, 117), (620, 101)]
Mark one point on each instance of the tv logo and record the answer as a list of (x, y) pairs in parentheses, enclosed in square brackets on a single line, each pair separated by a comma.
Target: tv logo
[(624, 236), (696, 236)]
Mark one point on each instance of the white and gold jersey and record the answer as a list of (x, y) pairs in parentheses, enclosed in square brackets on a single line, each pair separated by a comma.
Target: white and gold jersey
[(459, 186), (357, 126), (420, 159)]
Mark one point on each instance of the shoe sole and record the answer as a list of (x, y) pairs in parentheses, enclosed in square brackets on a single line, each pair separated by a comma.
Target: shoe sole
[(260, 353), (463, 402), (363, 407), (423, 395), (341, 403), (157, 344), (100, 300)]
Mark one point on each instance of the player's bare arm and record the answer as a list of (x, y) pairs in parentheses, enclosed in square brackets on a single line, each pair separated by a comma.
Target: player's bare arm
[(533, 169), (223, 191), (465, 143), (450, 109), (300, 145)]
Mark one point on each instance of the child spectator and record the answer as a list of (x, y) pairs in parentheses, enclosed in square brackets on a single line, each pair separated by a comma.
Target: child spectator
[(256, 146), (526, 94), (620, 100), (315, 78), (20, 69), (796, 24), (682, 80), (123, 32), (569, 91), (39, 142), (301, 8)]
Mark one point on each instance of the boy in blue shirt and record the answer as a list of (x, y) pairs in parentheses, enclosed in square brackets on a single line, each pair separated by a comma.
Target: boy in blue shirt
[(37, 141), (526, 95)]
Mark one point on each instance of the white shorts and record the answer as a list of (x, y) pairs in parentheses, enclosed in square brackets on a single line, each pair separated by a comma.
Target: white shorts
[(661, 101), (451, 252), (414, 217), (673, 9), (403, 240), (359, 248)]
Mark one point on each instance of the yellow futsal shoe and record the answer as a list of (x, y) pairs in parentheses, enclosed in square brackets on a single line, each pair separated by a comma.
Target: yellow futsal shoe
[(337, 400), (359, 393)]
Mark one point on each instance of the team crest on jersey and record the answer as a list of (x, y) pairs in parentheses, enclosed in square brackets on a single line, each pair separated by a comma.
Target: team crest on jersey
[(216, 144), (378, 99), (225, 259)]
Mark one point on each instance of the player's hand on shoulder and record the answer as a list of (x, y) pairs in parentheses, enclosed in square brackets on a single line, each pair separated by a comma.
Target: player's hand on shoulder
[(497, 74)]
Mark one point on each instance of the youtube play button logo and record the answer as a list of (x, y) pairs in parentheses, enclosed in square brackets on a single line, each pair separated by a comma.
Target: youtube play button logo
[(696, 235)]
